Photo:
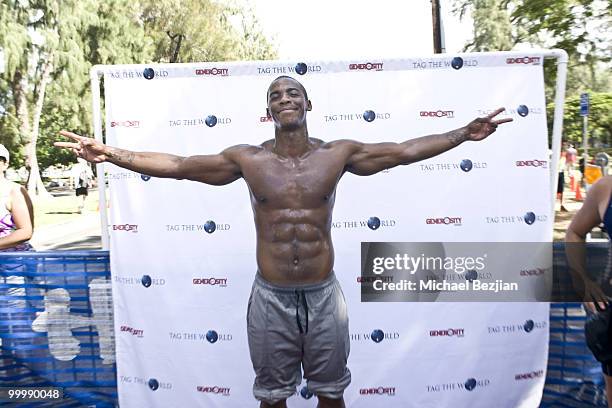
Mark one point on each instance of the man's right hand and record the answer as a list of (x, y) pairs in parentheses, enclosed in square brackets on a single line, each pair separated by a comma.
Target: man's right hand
[(84, 147)]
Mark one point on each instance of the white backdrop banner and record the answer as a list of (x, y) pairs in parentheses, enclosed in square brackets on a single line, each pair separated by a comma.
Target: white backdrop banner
[(183, 253)]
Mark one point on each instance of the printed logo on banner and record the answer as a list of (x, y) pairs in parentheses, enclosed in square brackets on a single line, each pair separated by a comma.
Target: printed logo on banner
[(470, 275), (447, 333), (512, 328), (367, 66), (264, 119), (521, 111), (134, 332), (211, 336), (388, 391), (212, 71), (147, 73), (535, 271), (224, 391), (300, 68), (306, 393), (528, 218), (125, 227), (125, 123), (368, 116), (127, 175), (465, 165), (152, 384), (542, 164), (376, 336), (372, 223), (218, 282), (529, 376), (145, 280), (208, 121), (209, 227), (468, 385), (455, 221), (369, 280), (448, 114), (455, 63), (524, 60)]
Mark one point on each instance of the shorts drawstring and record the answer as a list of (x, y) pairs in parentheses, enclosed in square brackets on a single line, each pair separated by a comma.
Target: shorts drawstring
[(297, 308)]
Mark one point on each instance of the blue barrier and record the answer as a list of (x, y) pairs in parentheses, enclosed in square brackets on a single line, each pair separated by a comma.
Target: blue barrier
[(56, 330), (56, 326)]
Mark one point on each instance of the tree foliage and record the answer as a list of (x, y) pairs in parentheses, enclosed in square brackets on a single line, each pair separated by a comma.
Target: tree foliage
[(599, 119), (580, 27), (51, 45)]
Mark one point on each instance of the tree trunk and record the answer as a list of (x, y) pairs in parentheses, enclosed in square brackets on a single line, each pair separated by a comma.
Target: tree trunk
[(35, 184), (21, 107)]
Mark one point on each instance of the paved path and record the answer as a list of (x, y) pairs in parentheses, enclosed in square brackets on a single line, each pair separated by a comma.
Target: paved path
[(81, 233)]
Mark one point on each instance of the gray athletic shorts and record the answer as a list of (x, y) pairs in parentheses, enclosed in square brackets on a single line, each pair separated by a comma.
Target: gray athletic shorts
[(305, 326)]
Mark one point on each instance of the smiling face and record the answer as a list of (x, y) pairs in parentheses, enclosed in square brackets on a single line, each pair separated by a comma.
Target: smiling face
[(288, 103)]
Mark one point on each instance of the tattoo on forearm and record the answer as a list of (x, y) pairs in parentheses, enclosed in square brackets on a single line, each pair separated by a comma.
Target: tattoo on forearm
[(457, 137), (121, 156)]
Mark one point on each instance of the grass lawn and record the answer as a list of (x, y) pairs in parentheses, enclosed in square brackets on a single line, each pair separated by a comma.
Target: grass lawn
[(62, 207)]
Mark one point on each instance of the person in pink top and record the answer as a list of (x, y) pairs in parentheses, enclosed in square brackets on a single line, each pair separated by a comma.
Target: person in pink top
[(16, 211)]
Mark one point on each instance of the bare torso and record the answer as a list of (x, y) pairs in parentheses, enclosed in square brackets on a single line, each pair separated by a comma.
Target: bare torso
[(292, 200)]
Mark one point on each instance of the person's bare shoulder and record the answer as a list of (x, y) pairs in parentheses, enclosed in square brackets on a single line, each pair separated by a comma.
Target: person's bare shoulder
[(267, 145), (602, 190), (341, 144), (242, 151)]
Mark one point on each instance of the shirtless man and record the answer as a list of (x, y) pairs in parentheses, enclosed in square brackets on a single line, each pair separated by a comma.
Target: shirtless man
[(296, 314)]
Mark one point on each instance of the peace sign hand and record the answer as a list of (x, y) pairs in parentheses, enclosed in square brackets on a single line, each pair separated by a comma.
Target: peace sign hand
[(480, 128), (84, 147)]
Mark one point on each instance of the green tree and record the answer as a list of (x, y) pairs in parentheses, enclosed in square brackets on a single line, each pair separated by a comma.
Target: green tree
[(202, 30), (599, 120), (491, 25), (51, 45), (580, 27), (48, 47)]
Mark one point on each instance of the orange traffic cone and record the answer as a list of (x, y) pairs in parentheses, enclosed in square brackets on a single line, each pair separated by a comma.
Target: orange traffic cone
[(578, 194)]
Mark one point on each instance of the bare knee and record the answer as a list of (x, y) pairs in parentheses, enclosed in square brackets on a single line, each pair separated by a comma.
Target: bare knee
[(325, 402), (279, 404)]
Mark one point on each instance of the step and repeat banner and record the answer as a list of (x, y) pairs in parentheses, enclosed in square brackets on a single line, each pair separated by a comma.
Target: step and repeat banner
[(183, 253)]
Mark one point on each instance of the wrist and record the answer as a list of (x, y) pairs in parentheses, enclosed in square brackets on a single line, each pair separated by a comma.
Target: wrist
[(458, 136), (110, 153)]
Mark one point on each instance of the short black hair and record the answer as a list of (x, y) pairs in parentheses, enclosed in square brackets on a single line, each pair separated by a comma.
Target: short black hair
[(287, 77)]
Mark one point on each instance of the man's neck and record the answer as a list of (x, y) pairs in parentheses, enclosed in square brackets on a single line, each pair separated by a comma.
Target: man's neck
[(291, 143)]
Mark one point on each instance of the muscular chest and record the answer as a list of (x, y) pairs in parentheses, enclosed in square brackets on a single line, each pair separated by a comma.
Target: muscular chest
[(294, 183)]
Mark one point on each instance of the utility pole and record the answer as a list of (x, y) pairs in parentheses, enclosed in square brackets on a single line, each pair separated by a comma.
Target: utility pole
[(177, 48), (437, 26)]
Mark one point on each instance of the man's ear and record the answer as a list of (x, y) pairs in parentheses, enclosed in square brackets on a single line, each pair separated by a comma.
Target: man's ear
[(309, 106), (268, 113)]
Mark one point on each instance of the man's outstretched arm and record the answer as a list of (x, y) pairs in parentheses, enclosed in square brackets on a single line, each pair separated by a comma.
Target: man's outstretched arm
[(370, 158), (216, 169)]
